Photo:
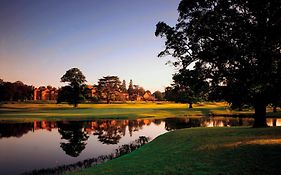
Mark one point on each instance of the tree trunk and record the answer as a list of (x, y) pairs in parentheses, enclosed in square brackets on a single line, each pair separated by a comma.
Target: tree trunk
[(240, 108), (240, 121), (260, 114), (190, 105), (274, 121), (76, 96), (274, 108)]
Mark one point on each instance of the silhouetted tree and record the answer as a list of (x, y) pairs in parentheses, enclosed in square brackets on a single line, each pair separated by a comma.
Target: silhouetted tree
[(169, 93), (192, 85), (237, 44), (158, 95), (131, 90), (76, 79), (136, 92), (109, 88), (123, 86), (139, 90), (65, 94), (178, 94)]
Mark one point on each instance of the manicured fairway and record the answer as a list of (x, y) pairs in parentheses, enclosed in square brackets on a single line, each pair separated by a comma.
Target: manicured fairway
[(121, 111), (202, 151)]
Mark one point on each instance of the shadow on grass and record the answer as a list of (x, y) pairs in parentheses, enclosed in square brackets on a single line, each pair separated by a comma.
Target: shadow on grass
[(248, 159)]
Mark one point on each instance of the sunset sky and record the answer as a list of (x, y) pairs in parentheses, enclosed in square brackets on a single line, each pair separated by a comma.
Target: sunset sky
[(40, 40)]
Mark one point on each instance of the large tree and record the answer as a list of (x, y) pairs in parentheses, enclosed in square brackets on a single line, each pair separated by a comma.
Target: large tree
[(191, 84), (109, 88), (236, 42), (76, 79)]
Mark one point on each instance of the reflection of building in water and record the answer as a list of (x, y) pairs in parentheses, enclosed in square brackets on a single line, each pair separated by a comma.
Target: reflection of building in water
[(225, 121), (178, 123), (213, 123), (48, 125), (111, 131), (273, 122)]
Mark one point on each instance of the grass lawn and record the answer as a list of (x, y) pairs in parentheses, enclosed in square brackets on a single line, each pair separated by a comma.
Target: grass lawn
[(116, 111), (234, 151)]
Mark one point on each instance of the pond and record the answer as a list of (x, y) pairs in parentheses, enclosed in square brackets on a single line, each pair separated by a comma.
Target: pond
[(25, 146)]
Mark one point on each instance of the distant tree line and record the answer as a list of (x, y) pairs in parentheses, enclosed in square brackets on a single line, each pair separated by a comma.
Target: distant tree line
[(17, 91), (111, 89), (108, 89)]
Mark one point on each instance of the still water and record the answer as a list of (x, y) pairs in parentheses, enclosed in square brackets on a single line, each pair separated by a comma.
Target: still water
[(25, 146)]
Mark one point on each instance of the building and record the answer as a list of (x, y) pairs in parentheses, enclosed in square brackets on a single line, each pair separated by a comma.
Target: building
[(45, 93), (148, 96)]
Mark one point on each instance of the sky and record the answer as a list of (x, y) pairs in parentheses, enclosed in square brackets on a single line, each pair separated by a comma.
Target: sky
[(40, 40)]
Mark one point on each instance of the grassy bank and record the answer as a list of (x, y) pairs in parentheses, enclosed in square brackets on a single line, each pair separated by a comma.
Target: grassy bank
[(202, 151), (120, 111)]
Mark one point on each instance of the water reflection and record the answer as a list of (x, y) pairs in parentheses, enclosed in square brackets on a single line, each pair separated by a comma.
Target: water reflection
[(54, 143), (120, 151), (179, 123), (111, 131), (75, 136), (14, 129), (273, 122)]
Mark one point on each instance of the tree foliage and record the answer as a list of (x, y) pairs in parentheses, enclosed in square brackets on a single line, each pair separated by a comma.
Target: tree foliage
[(76, 79), (131, 90), (158, 95), (109, 88), (123, 86), (65, 94), (135, 91), (74, 76), (237, 44), (17, 91), (191, 84)]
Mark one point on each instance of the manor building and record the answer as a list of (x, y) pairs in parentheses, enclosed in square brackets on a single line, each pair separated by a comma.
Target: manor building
[(43, 93)]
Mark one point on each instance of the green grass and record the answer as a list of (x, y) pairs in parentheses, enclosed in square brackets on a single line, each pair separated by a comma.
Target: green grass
[(116, 111), (202, 151)]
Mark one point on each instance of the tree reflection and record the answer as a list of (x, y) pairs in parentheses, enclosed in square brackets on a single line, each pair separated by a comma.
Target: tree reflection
[(110, 131), (179, 123), (14, 129), (157, 121), (135, 125), (76, 137)]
